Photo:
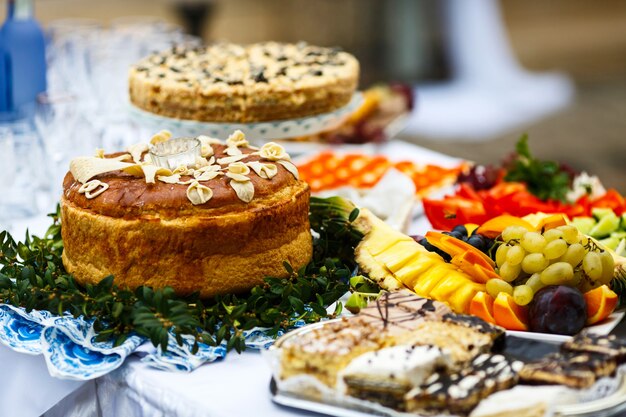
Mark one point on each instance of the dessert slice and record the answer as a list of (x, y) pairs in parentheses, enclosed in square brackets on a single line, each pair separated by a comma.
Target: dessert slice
[(572, 369), (608, 345), (398, 318), (324, 352), (386, 375), (463, 337), (460, 392)]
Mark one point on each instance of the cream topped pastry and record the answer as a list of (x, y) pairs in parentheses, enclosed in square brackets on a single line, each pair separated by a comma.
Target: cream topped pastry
[(409, 365), (234, 83), (396, 318), (389, 373)]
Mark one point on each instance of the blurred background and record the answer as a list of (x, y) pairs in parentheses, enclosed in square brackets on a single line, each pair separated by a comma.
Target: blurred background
[(484, 71)]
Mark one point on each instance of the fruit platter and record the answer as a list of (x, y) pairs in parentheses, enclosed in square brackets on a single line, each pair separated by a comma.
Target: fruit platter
[(522, 272)]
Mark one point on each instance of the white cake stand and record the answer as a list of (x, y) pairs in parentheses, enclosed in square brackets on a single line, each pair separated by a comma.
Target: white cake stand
[(257, 133)]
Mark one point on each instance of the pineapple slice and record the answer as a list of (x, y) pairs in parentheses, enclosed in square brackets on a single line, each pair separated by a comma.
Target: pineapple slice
[(411, 271), (376, 270), (426, 282), (460, 300), (378, 243), (390, 283), (394, 260), (379, 236), (370, 265), (398, 255), (447, 286)]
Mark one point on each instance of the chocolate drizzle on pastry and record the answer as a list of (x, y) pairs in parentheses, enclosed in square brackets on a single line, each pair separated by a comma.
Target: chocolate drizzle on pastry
[(460, 392), (581, 361)]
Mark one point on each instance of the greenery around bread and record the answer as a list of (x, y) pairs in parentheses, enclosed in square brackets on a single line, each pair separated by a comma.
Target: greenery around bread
[(32, 276)]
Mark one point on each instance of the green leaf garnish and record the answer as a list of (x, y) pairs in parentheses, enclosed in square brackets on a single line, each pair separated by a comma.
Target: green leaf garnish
[(544, 179), (33, 276)]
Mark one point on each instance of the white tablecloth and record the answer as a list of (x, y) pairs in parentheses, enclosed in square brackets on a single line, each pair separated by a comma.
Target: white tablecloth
[(236, 386), (27, 389)]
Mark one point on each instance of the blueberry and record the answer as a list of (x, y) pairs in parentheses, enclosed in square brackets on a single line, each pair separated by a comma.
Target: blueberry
[(457, 235), (461, 229), (478, 242)]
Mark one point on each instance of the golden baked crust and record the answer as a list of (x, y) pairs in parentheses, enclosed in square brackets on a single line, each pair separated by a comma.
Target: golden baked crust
[(151, 234), (129, 196), (232, 83)]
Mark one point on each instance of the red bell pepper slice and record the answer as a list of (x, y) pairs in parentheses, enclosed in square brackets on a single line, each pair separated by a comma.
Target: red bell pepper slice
[(613, 200)]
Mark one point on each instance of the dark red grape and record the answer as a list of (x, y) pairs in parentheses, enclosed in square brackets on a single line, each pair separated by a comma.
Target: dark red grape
[(557, 309)]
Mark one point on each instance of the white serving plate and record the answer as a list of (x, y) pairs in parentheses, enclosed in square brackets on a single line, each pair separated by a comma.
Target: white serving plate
[(598, 401), (602, 328), (257, 133)]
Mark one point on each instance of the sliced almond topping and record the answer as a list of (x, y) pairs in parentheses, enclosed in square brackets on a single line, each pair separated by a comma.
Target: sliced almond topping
[(237, 139), (198, 193), (201, 162), (123, 157), (232, 151), (237, 177), (206, 151), (169, 179), (209, 140), (207, 168), (150, 172), (291, 168), (274, 152), (89, 186), (137, 150), (244, 190), (93, 188), (238, 168), (230, 159), (160, 137), (267, 171), (182, 170), (85, 168), (207, 175)]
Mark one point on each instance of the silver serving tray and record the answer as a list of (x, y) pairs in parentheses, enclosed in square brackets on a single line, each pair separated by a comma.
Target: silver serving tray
[(613, 405)]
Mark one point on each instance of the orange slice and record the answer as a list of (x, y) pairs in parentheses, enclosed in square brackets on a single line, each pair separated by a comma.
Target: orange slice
[(494, 227), (601, 302), (474, 266), (552, 221), (508, 314), (482, 306), (453, 246)]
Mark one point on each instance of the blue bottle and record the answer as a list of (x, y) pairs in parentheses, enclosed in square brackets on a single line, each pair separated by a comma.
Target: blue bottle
[(25, 46), (6, 95)]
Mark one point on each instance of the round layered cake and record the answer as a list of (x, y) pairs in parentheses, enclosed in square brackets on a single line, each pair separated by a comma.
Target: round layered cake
[(218, 224), (242, 84)]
